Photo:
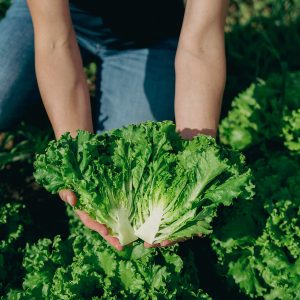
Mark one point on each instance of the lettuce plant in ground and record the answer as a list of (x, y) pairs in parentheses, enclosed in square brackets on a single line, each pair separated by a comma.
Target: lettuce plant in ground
[(22, 144), (291, 131), (85, 267), (258, 242), (12, 219), (266, 110), (267, 264), (144, 181)]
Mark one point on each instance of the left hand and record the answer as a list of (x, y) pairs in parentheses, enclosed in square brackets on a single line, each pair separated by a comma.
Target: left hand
[(167, 243)]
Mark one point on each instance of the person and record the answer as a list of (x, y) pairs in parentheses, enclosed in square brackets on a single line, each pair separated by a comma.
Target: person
[(156, 60)]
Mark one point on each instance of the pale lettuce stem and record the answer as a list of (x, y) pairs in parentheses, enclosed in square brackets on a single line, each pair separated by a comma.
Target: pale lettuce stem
[(149, 229), (123, 227)]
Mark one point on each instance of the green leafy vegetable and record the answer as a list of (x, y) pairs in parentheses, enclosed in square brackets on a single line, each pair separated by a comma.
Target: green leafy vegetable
[(22, 144), (12, 219), (258, 242), (291, 131), (266, 110), (85, 267), (144, 181)]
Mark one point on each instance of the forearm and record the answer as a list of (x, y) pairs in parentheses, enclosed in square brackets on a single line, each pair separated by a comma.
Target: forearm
[(200, 80), (59, 69), (63, 88), (200, 68)]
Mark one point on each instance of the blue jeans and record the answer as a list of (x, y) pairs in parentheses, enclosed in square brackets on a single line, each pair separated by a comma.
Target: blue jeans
[(133, 84)]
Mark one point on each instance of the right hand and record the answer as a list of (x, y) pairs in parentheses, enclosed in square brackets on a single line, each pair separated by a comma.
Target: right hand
[(70, 198)]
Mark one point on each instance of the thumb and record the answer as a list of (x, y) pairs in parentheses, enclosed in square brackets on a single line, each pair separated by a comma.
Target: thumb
[(68, 196)]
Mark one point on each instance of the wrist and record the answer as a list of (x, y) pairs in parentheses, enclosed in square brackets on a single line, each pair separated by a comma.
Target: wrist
[(189, 133)]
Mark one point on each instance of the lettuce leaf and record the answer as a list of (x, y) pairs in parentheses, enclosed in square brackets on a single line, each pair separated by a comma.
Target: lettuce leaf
[(85, 267), (143, 181), (267, 110), (258, 242)]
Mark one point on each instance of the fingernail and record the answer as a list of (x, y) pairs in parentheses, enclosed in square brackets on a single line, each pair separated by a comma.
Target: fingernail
[(70, 200), (164, 243)]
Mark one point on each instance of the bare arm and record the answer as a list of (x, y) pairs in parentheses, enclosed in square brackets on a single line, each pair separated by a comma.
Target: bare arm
[(200, 68), (62, 82), (59, 69)]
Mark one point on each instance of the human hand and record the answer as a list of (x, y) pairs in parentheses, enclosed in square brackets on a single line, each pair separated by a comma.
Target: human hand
[(70, 198), (167, 243)]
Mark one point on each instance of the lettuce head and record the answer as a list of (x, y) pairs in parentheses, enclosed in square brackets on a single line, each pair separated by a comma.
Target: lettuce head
[(144, 181)]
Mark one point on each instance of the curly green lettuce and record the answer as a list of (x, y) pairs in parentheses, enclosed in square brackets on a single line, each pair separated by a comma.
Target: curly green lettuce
[(266, 110), (12, 218), (143, 181), (291, 131), (21, 144), (258, 242), (85, 267), (265, 264)]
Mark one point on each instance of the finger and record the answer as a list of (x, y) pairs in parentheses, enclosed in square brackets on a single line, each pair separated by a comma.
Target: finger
[(171, 243), (92, 224), (114, 242), (68, 196), (147, 245), (167, 243), (100, 228)]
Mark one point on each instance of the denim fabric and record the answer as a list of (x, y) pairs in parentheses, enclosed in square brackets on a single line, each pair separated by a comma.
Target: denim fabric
[(133, 84)]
